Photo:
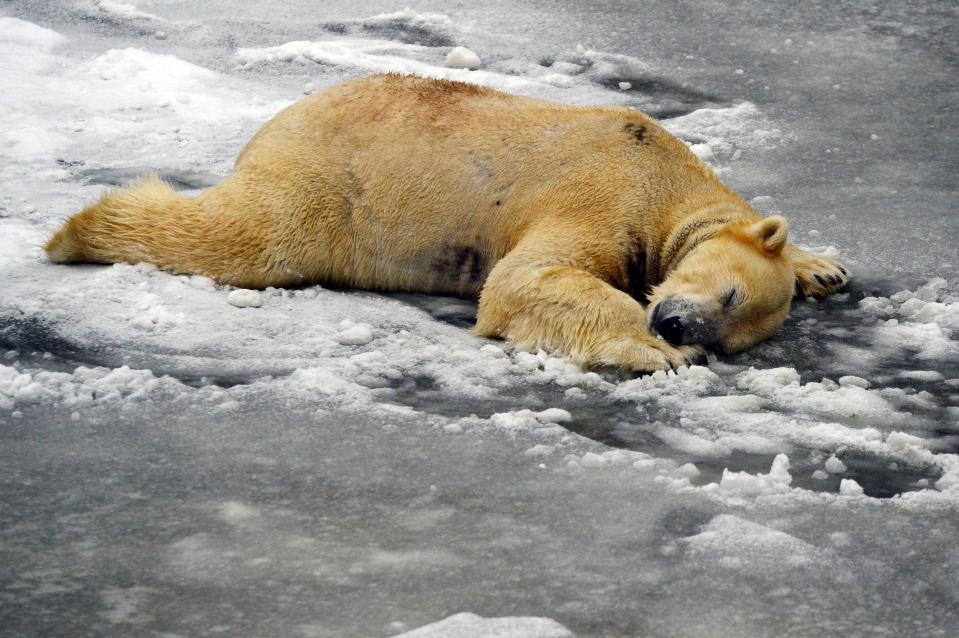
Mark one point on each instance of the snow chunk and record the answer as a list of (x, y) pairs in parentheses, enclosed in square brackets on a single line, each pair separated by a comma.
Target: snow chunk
[(782, 387), (730, 542), (877, 306), (902, 442), (467, 625), (86, 386), (751, 485), (124, 10), (554, 415), (358, 335), (767, 381), (834, 465), (462, 58), (242, 298), (915, 322), (930, 290), (727, 129), (704, 152), (849, 487), (850, 380), (493, 351), (544, 421), (423, 22)]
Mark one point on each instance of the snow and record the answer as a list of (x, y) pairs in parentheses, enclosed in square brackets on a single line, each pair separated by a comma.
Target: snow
[(124, 10), (849, 487), (834, 465), (720, 135), (354, 335), (852, 380), (245, 298), (26, 34), (463, 58), (750, 485), (166, 437), (467, 625)]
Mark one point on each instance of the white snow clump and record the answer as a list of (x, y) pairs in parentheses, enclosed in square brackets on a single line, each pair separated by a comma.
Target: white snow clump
[(242, 298), (463, 58)]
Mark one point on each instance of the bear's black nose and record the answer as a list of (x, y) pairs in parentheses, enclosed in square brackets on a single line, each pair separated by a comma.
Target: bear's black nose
[(671, 329)]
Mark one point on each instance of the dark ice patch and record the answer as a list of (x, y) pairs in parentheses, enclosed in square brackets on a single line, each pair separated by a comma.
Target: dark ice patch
[(336, 27), (35, 338), (661, 97), (668, 112), (399, 29), (122, 176), (452, 310), (651, 85)]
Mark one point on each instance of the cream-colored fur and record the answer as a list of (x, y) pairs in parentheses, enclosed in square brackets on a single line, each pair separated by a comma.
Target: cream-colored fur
[(557, 217)]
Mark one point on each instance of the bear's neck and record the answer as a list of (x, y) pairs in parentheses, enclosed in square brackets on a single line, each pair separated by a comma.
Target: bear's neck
[(693, 222)]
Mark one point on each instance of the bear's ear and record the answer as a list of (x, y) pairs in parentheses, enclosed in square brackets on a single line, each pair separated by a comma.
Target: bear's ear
[(771, 233)]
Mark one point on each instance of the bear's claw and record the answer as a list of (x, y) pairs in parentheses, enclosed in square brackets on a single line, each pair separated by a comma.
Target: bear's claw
[(818, 276), (650, 355)]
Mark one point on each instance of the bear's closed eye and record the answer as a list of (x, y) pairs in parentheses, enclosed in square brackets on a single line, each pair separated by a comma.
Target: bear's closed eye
[(729, 299)]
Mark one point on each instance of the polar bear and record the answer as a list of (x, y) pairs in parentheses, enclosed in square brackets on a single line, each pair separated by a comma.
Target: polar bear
[(588, 231)]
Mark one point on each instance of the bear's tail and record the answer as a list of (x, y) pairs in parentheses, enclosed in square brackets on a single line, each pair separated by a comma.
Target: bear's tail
[(150, 222)]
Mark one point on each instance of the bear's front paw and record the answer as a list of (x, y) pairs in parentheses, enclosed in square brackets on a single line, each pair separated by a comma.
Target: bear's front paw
[(648, 354), (819, 276)]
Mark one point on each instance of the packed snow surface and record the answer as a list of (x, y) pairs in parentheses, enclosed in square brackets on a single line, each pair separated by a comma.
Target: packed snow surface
[(184, 458)]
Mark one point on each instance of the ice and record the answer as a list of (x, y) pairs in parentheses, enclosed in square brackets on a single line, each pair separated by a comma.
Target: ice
[(849, 487), (593, 460), (27, 34), (834, 465), (124, 10), (437, 25), (381, 56), (245, 298), (84, 387), (357, 335), (370, 464), (726, 132), (751, 485), (467, 625), (462, 58), (554, 415), (852, 380)]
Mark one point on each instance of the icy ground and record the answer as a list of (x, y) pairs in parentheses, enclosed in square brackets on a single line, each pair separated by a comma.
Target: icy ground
[(182, 459)]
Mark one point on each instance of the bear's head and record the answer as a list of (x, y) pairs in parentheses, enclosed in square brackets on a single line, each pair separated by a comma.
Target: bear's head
[(729, 291)]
